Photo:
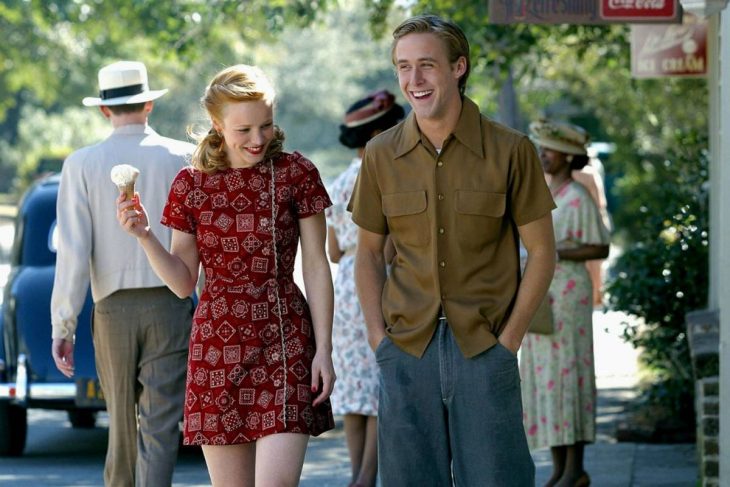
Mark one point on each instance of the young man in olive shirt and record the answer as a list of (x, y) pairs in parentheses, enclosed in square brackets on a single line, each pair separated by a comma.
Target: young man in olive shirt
[(455, 191)]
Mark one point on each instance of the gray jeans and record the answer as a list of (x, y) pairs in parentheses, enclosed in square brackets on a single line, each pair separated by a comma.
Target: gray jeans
[(141, 348), (446, 420)]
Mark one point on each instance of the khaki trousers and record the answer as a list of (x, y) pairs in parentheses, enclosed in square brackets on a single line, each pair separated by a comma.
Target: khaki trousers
[(141, 347)]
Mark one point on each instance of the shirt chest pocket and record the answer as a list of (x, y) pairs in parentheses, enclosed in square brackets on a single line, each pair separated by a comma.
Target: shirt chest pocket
[(407, 217), (480, 216)]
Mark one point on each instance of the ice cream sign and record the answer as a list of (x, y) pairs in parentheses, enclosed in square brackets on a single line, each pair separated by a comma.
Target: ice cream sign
[(659, 51)]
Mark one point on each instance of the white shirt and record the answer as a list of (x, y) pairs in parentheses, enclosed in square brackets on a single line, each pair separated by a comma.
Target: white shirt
[(92, 246)]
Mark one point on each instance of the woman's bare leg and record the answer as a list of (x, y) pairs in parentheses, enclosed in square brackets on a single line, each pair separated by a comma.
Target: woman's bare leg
[(231, 465), (574, 473), (558, 453), (355, 434), (279, 459), (369, 460)]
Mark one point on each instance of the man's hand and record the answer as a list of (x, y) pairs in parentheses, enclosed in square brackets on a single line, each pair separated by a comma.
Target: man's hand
[(513, 345), (63, 355), (374, 339)]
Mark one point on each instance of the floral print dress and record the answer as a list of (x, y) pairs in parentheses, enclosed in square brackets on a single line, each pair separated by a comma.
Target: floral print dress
[(558, 379), (252, 342), (356, 389)]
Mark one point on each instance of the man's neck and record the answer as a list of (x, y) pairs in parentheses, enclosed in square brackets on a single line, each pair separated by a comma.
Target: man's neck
[(128, 119), (438, 129)]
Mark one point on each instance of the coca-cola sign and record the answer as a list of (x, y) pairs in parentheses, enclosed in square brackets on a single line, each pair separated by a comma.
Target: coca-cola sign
[(641, 9), (584, 11)]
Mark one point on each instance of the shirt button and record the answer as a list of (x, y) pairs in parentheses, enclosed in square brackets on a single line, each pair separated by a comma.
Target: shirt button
[(441, 231), (440, 163), (442, 264), (441, 197)]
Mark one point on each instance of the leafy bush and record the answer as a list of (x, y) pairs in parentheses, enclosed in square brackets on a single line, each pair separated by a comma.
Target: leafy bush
[(663, 274)]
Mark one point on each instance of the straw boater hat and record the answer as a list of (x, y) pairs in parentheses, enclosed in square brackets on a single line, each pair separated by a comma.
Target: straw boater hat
[(123, 83), (562, 137)]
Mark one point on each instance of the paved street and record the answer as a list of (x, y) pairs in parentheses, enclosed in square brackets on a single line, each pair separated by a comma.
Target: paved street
[(58, 455)]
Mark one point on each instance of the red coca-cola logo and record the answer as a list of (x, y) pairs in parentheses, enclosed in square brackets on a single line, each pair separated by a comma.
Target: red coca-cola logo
[(632, 9)]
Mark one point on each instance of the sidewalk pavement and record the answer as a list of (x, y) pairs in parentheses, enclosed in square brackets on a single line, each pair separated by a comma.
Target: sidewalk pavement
[(609, 463)]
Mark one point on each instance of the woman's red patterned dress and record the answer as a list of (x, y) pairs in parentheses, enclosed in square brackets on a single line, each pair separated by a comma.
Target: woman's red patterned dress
[(252, 342)]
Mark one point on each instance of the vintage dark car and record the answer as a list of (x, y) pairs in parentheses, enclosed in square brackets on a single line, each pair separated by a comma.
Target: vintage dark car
[(28, 376)]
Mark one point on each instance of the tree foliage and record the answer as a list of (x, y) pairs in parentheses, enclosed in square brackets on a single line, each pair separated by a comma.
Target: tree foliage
[(51, 48), (335, 62), (664, 274)]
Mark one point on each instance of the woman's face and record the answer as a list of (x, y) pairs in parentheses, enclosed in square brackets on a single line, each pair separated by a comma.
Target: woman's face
[(553, 161), (248, 129)]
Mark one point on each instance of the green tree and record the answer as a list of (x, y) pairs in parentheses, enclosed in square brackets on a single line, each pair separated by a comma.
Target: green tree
[(52, 48), (335, 63)]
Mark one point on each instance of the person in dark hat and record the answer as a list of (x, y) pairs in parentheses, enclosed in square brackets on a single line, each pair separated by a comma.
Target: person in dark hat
[(356, 394), (141, 329), (558, 380)]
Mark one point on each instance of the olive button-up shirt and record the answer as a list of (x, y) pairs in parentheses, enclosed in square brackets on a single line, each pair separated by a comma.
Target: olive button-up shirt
[(453, 218)]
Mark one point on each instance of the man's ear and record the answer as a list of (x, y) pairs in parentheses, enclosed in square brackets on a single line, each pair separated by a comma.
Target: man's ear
[(105, 111), (460, 67), (149, 106)]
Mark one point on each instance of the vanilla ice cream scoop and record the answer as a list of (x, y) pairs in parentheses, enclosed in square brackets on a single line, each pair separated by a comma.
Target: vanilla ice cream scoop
[(124, 176)]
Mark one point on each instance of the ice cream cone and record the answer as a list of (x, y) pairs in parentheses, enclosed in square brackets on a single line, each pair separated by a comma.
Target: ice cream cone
[(127, 189), (124, 176)]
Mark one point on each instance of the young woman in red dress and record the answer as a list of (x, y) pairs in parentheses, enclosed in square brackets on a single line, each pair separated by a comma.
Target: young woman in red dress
[(259, 368)]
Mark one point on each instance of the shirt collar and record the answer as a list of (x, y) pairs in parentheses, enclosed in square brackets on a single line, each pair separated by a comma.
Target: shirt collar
[(410, 136), (468, 130), (133, 129)]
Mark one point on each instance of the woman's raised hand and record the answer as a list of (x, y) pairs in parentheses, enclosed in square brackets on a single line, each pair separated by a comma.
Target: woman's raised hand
[(132, 216)]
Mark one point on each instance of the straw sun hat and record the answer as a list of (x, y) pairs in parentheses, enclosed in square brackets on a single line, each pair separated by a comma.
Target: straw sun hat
[(559, 136), (123, 83)]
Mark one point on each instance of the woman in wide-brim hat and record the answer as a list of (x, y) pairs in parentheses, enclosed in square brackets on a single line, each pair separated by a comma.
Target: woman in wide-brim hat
[(559, 392), (356, 394)]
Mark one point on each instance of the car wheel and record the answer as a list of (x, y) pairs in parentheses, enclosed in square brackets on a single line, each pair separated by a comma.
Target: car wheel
[(82, 418), (13, 429)]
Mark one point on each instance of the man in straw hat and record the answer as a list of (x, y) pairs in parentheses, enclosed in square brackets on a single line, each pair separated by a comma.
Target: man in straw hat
[(141, 328), (454, 191)]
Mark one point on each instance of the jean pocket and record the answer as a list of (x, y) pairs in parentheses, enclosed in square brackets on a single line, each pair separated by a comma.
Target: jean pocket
[(382, 346), (505, 351)]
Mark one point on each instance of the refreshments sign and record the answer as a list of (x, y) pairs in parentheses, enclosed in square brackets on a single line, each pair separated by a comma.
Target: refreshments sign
[(584, 11), (660, 51)]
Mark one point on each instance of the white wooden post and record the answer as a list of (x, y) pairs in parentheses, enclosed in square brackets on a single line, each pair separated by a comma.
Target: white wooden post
[(721, 228)]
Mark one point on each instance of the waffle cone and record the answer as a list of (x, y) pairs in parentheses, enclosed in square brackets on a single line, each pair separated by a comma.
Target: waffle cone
[(128, 190)]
